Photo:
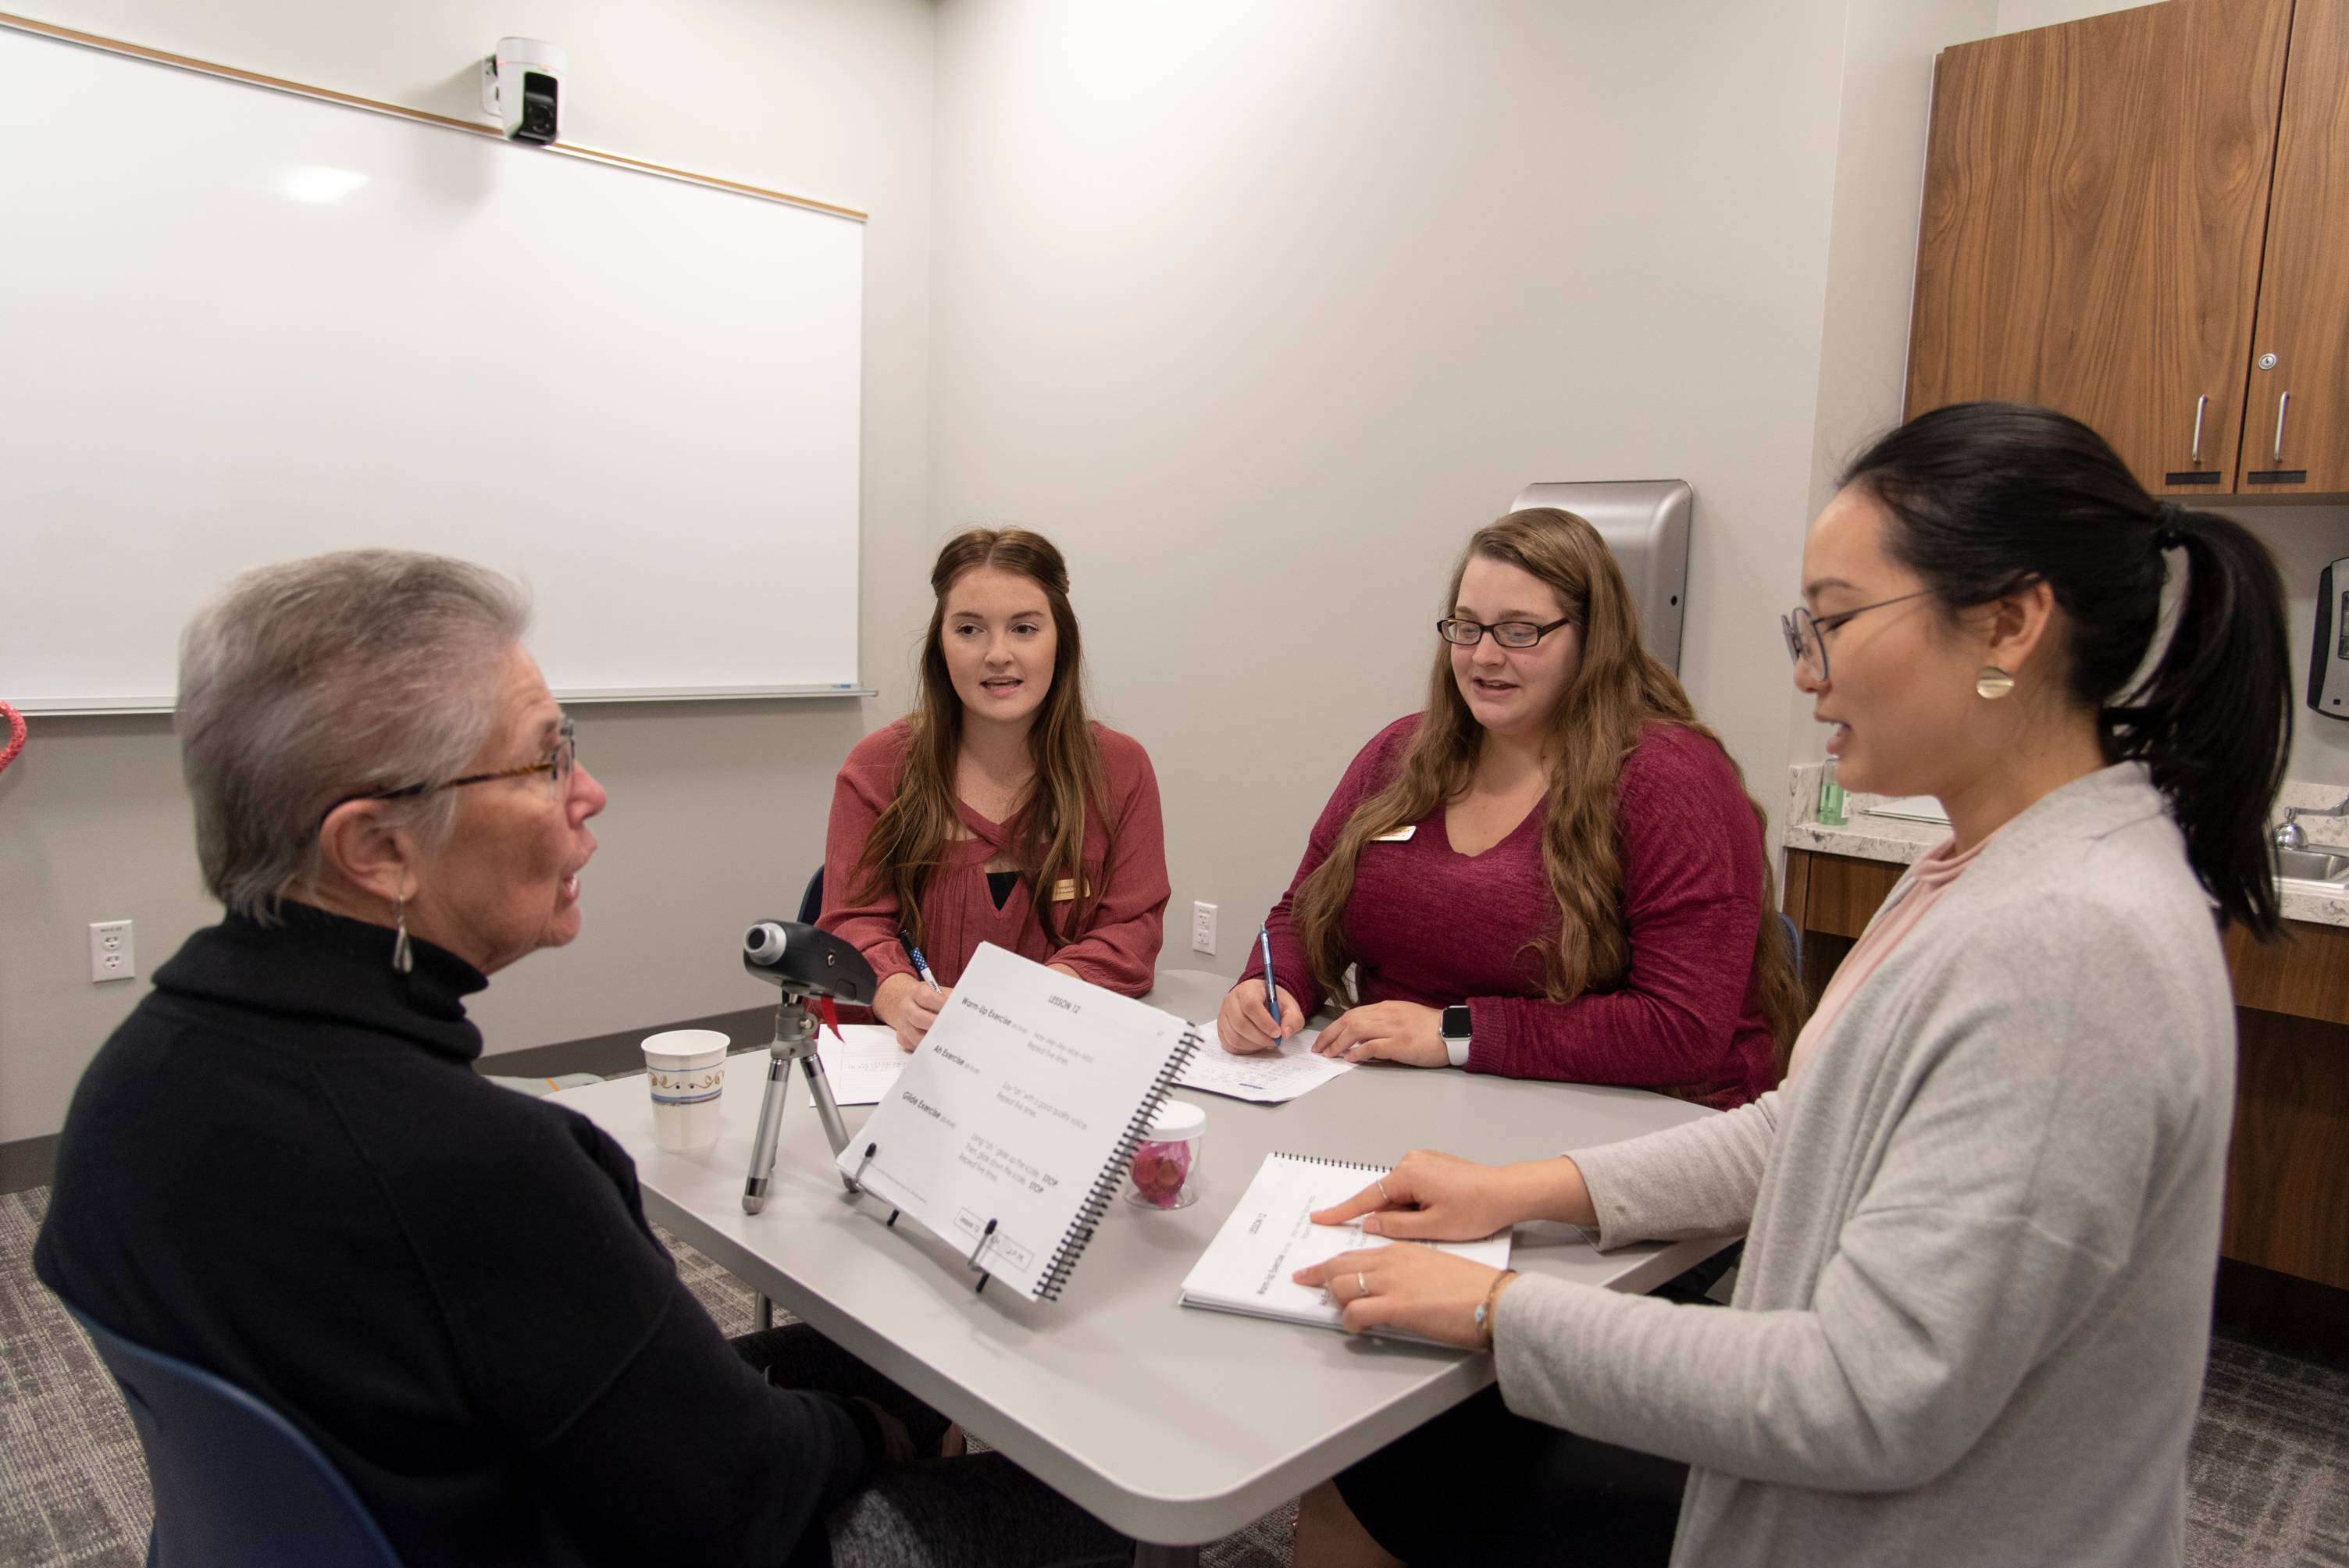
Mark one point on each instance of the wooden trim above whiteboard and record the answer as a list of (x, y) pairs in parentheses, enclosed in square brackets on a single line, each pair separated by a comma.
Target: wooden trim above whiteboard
[(377, 106)]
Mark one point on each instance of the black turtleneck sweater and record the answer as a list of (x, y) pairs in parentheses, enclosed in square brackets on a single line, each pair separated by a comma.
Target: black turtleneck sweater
[(283, 1168)]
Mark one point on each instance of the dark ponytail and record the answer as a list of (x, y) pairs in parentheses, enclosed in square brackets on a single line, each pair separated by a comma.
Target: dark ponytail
[(1988, 498)]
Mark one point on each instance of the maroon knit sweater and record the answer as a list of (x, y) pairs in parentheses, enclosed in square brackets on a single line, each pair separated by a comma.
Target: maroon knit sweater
[(1430, 925), (1127, 864)]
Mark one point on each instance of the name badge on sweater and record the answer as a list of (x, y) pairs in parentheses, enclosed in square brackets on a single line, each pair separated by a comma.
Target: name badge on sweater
[(1065, 891), (1399, 836)]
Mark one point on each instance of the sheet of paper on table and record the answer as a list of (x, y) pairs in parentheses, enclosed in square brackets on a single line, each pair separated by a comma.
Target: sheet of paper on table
[(861, 1063), (1268, 1078)]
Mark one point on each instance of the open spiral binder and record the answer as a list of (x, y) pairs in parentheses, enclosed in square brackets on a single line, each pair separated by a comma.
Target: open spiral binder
[(1006, 1134), (1104, 1188)]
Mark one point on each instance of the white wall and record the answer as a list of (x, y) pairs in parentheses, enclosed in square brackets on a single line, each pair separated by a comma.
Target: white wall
[(2016, 16), (1886, 94), (1260, 310), (717, 812)]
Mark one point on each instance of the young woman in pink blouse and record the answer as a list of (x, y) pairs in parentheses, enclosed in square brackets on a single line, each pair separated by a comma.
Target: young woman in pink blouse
[(996, 811), (1554, 872)]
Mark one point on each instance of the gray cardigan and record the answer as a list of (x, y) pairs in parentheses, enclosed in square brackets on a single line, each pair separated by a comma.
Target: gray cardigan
[(1974, 1307)]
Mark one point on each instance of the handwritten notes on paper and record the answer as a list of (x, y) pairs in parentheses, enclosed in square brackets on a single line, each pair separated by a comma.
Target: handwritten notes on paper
[(861, 1063), (1267, 1078)]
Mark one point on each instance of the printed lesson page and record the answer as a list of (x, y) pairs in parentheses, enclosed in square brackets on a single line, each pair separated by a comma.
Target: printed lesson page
[(1012, 1111)]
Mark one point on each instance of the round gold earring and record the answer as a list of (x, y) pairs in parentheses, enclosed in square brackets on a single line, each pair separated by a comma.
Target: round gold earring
[(1992, 683)]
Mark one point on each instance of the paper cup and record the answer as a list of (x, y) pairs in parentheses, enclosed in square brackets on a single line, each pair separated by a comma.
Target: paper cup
[(686, 1070), (1163, 1171)]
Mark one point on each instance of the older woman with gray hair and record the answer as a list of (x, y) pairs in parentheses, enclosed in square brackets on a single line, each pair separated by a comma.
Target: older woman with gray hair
[(283, 1168)]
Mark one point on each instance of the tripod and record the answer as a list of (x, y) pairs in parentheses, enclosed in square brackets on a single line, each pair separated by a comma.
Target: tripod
[(795, 1041)]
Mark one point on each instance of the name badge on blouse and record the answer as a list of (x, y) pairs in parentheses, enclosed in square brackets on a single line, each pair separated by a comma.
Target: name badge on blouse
[(1065, 891), (1399, 836)]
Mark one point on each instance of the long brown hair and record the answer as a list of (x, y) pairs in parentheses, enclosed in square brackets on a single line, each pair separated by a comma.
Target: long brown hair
[(909, 839), (1618, 689)]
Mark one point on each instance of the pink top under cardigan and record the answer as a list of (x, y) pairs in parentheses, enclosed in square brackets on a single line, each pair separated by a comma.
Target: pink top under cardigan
[(1931, 877), (1430, 925), (1125, 860)]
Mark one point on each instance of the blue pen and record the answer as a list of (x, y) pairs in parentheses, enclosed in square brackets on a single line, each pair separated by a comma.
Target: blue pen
[(1271, 992), (921, 965)]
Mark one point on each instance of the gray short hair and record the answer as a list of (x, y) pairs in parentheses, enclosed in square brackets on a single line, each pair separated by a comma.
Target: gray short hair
[(304, 684)]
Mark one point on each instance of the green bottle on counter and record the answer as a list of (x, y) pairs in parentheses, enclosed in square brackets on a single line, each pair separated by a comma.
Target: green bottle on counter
[(1831, 812)]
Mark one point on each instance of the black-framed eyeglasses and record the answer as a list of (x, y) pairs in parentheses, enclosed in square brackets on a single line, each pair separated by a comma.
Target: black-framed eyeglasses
[(1467, 634), (556, 764), (1806, 633)]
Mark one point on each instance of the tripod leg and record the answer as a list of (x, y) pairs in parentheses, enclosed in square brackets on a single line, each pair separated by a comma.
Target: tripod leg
[(827, 1108), (771, 1126)]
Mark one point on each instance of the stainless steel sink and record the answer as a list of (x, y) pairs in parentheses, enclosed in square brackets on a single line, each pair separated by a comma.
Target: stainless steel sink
[(2317, 864)]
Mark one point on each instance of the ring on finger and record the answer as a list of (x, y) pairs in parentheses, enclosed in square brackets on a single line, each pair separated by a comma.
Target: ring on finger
[(1362, 1285), (1384, 1196)]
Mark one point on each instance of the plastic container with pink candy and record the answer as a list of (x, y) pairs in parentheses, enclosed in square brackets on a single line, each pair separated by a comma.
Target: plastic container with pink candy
[(1164, 1169)]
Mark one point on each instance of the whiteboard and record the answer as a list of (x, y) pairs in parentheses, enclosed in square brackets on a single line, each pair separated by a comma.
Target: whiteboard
[(239, 326)]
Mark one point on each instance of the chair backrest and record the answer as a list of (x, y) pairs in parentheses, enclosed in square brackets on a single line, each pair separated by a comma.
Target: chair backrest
[(234, 1482), (811, 901), (1794, 938)]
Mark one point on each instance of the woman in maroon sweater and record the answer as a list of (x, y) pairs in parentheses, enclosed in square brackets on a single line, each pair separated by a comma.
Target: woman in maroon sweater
[(1555, 871), (996, 811)]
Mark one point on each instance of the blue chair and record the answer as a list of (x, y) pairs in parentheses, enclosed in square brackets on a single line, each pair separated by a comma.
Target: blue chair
[(234, 1482), (811, 901)]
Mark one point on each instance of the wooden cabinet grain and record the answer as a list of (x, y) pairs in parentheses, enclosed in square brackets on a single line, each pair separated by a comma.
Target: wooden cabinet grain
[(2296, 422), (2097, 197)]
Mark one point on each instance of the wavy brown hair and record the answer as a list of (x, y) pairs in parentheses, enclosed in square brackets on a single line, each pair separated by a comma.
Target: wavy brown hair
[(1616, 690), (909, 840)]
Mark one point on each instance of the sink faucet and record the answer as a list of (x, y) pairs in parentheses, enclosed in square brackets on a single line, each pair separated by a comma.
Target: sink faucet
[(2288, 834)]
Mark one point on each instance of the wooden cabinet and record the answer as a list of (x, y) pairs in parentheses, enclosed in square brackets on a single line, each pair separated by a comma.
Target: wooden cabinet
[(2288, 1166), (2296, 421), (2097, 198)]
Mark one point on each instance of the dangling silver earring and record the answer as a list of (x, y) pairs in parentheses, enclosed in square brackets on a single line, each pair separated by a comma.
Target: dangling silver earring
[(1992, 683), (401, 959)]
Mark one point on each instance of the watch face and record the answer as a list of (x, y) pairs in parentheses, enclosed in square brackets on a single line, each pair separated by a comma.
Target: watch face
[(1455, 1021)]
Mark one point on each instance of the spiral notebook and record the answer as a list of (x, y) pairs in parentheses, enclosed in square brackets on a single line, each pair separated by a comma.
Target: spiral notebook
[(1008, 1131), (1270, 1235)]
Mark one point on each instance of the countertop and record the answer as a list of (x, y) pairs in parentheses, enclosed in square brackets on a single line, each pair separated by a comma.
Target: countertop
[(1888, 839)]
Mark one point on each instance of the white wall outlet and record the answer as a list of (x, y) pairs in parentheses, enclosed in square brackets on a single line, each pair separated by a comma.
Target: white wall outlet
[(1202, 929), (111, 956)]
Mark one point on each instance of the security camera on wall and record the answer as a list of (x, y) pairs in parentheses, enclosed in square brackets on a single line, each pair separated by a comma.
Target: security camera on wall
[(521, 84)]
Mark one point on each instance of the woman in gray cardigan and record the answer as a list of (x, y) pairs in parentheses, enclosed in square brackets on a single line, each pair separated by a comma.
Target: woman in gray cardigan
[(1984, 1207)]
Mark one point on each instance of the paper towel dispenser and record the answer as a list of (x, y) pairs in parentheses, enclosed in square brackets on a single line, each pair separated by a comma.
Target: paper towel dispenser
[(1646, 523), (2328, 661)]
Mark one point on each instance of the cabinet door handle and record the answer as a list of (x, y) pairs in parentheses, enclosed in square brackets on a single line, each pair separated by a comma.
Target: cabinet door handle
[(2199, 405), (2282, 402)]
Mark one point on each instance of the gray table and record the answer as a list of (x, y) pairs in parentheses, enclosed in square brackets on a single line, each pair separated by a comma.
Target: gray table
[(1174, 1425)]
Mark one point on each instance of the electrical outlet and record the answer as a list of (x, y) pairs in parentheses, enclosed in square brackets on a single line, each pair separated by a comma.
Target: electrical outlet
[(111, 956), (1202, 929)]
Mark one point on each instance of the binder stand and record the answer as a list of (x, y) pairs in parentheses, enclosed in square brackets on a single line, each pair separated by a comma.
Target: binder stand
[(985, 1236), (807, 963)]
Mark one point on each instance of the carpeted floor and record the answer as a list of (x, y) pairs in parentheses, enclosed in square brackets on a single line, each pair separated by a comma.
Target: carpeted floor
[(2269, 1474)]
